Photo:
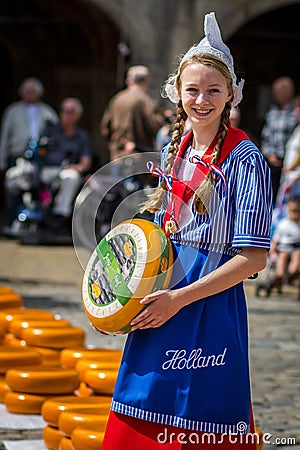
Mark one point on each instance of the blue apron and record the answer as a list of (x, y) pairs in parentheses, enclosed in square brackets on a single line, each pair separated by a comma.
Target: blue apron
[(192, 372)]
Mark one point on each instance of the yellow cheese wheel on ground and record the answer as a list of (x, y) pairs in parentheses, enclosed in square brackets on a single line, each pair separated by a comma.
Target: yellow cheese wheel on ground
[(86, 437), (52, 408), (65, 444), (16, 357), (69, 420), (43, 380), (102, 382), (21, 403), (54, 337), (18, 325), (7, 315), (84, 364), (52, 437), (132, 260), (10, 300), (4, 389), (70, 356)]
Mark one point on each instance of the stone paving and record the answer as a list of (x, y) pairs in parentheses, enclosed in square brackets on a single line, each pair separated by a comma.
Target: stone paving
[(50, 277)]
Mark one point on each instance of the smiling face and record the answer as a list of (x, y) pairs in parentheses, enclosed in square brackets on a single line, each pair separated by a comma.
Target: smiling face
[(204, 91)]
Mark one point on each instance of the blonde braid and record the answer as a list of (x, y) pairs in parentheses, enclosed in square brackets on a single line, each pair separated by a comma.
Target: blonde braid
[(155, 200), (203, 192)]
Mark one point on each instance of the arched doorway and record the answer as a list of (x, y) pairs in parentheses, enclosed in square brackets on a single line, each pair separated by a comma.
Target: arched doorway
[(65, 44), (263, 49)]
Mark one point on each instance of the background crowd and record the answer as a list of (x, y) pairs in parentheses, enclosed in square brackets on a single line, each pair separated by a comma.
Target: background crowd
[(47, 154)]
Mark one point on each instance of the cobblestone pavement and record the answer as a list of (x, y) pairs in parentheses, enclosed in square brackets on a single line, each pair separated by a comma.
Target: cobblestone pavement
[(50, 277)]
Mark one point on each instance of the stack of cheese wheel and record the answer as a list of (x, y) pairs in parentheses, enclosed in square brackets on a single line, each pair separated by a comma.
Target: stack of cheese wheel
[(50, 356), (69, 420), (131, 261), (97, 367), (32, 386), (53, 408), (13, 357)]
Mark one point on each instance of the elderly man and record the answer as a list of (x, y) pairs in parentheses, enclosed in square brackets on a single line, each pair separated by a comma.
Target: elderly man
[(131, 120), (68, 158)]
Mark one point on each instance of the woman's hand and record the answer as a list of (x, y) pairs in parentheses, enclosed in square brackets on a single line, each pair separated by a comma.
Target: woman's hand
[(162, 305)]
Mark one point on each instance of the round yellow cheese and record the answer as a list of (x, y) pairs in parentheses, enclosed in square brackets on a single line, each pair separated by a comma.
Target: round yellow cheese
[(14, 357), (69, 420), (131, 261), (65, 444), (52, 437), (21, 403), (18, 325), (84, 364), (10, 300), (86, 437), (53, 337), (52, 408), (43, 380), (70, 356), (102, 382), (4, 389), (6, 316)]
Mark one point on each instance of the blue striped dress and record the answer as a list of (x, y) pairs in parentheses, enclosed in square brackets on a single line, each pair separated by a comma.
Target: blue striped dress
[(193, 372)]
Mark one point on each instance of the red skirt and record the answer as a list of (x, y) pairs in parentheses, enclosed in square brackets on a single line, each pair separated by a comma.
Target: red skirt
[(127, 433)]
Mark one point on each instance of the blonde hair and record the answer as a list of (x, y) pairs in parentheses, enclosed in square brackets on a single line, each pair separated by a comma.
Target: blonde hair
[(203, 192)]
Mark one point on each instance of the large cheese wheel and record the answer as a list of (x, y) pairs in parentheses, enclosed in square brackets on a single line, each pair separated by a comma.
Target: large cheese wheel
[(21, 403), (6, 316), (52, 408), (86, 437), (131, 261), (16, 357), (69, 420), (54, 337), (52, 437), (65, 444), (102, 382), (43, 380), (84, 364), (16, 326), (4, 389), (70, 356), (10, 300)]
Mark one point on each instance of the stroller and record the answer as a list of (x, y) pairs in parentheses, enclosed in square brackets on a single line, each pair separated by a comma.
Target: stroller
[(290, 187)]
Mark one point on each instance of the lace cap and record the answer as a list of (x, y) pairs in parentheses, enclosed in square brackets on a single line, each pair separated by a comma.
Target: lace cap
[(212, 44)]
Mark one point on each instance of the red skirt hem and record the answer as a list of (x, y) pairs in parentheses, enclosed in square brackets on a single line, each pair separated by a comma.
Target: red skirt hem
[(130, 433)]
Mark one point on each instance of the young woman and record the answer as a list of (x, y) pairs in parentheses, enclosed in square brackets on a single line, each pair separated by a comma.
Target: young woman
[(184, 378)]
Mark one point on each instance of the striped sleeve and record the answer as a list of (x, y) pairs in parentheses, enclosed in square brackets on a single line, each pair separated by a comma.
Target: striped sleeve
[(253, 202)]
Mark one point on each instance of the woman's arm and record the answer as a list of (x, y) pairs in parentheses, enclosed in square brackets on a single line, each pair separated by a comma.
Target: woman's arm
[(162, 305)]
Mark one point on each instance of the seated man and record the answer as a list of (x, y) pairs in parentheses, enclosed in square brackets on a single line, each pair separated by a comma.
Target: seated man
[(68, 157)]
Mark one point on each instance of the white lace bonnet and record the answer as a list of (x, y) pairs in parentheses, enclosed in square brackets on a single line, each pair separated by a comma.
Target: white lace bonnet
[(212, 44)]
